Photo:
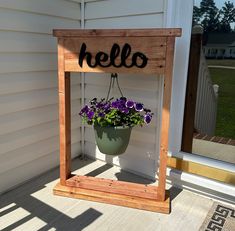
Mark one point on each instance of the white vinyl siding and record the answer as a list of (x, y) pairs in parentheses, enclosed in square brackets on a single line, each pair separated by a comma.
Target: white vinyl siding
[(142, 152), (29, 133), (124, 14)]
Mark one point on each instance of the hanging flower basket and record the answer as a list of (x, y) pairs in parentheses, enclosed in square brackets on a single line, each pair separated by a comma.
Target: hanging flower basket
[(114, 119)]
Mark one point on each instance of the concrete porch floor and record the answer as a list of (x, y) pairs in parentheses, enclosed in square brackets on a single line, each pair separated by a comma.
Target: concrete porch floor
[(32, 206)]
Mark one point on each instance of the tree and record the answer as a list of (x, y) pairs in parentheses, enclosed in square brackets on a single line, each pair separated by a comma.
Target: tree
[(207, 6), (228, 16), (196, 15), (210, 14), (212, 19)]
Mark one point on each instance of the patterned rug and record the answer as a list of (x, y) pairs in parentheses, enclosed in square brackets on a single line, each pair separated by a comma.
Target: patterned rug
[(219, 218)]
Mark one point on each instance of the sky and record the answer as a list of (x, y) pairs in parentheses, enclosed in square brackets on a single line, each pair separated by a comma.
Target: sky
[(218, 3)]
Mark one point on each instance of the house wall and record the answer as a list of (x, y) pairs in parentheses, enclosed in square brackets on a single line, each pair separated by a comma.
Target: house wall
[(142, 153), (28, 87), (219, 52)]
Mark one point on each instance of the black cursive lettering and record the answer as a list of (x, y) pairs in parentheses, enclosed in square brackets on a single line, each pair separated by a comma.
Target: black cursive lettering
[(100, 58), (84, 54), (115, 50), (126, 51), (104, 60), (142, 57)]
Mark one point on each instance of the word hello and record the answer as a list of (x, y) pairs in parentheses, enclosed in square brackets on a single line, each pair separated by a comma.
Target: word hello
[(104, 60)]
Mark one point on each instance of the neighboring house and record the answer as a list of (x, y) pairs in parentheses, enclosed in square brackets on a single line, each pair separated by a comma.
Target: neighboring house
[(220, 46)]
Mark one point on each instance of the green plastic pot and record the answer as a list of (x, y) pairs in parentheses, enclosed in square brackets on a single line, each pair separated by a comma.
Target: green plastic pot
[(112, 140)]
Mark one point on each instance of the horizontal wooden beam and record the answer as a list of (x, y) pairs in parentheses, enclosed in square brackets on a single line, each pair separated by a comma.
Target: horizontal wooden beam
[(152, 48), (113, 186), (175, 32), (114, 198)]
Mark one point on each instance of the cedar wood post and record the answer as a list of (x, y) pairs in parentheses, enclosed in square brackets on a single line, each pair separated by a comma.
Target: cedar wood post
[(165, 117), (64, 116)]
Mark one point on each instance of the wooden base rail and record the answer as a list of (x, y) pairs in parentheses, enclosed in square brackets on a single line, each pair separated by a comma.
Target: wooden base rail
[(114, 192), (113, 186)]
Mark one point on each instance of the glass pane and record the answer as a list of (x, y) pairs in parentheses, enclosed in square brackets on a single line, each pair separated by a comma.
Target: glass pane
[(214, 123)]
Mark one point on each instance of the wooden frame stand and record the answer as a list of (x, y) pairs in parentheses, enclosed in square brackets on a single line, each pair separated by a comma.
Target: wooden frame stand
[(148, 51)]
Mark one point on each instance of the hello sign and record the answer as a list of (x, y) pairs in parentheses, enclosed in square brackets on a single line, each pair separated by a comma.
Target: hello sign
[(115, 50)]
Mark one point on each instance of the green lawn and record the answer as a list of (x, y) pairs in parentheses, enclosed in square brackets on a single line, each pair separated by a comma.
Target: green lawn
[(221, 62), (225, 78)]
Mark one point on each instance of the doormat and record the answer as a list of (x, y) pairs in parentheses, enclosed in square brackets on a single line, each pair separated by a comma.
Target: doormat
[(219, 218)]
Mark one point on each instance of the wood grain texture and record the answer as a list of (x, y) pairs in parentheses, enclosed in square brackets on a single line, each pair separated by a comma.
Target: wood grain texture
[(154, 48), (165, 118), (113, 186), (113, 198), (64, 116), (174, 32), (155, 67)]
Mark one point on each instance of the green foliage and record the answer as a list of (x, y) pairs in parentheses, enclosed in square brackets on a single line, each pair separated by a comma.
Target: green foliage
[(228, 16), (213, 19), (210, 14), (196, 15)]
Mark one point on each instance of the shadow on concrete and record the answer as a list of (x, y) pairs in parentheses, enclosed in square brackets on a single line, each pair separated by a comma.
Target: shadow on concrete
[(22, 197)]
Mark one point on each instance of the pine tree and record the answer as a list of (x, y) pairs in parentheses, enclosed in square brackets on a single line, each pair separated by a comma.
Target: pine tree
[(210, 14), (212, 19), (228, 17), (196, 15)]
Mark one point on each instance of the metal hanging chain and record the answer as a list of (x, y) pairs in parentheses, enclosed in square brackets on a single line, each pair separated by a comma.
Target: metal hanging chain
[(113, 78)]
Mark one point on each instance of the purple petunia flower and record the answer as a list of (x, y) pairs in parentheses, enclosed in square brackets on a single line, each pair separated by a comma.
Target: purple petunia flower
[(115, 104), (101, 114), (90, 114), (139, 107), (117, 112), (85, 109), (122, 101), (107, 107), (130, 104), (120, 107), (99, 105), (125, 110), (147, 118)]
